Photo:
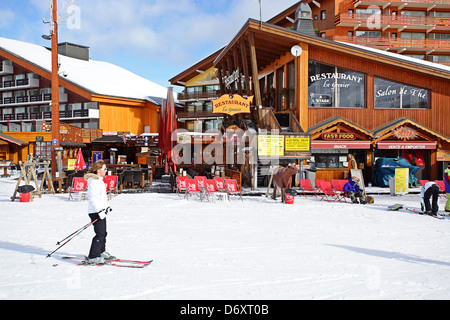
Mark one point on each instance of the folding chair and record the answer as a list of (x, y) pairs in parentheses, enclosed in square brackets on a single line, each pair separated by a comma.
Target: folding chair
[(211, 191), (338, 186), (306, 186), (220, 183), (201, 182), (441, 185), (232, 188), (193, 189), (422, 182), (111, 185), (79, 185), (181, 184), (328, 193)]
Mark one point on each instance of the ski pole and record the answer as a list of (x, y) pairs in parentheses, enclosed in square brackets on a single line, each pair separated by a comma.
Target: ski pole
[(74, 235), (83, 227)]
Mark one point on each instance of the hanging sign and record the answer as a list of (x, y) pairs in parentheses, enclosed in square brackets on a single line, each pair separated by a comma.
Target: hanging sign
[(232, 104)]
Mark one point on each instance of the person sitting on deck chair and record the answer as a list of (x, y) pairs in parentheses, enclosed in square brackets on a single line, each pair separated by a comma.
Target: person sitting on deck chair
[(353, 191)]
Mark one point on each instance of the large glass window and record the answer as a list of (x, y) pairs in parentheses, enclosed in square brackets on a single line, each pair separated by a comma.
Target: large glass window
[(334, 87), (395, 95)]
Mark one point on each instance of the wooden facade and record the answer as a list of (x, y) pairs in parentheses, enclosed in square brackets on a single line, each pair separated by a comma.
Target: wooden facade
[(24, 116), (262, 52)]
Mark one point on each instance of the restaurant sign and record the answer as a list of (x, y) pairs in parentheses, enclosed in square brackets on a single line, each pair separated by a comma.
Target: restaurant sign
[(232, 104)]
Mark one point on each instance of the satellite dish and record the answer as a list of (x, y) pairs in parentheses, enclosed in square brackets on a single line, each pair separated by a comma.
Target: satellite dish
[(296, 51)]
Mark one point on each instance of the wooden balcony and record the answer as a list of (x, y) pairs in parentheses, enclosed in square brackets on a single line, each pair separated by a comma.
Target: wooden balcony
[(384, 22), (184, 96), (400, 45), (399, 4)]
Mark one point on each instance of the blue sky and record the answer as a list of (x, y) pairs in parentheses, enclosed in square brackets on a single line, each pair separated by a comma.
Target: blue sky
[(156, 39)]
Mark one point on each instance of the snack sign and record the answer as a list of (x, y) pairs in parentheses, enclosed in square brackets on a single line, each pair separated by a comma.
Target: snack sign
[(232, 104)]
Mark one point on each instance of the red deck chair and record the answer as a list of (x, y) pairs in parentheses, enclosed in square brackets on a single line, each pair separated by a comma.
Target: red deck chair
[(111, 185), (193, 189), (181, 184), (79, 185), (338, 187), (211, 191), (232, 188), (201, 182), (328, 193), (220, 183), (441, 185), (318, 183), (306, 186), (422, 182)]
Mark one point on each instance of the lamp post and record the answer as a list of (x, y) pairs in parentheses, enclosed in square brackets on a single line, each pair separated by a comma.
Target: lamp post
[(55, 86)]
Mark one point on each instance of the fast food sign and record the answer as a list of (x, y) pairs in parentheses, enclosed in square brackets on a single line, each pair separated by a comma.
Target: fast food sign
[(338, 136)]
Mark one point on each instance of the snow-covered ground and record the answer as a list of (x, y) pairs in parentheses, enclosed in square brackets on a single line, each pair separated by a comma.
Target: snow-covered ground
[(255, 249)]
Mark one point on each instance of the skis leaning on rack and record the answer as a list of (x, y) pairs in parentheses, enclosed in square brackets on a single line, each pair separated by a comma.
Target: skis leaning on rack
[(123, 263)]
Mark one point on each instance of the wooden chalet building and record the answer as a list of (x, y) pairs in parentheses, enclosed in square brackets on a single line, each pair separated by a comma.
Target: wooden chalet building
[(95, 97), (349, 98)]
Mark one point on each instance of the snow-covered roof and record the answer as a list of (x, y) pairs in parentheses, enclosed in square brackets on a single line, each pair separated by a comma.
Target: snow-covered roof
[(96, 77)]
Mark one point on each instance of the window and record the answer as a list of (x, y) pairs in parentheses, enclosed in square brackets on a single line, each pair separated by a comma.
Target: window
[(334, 87), (439, 36), (44, 150), (368, 34), (412, 35), (370, 10), (412, 13), (442, 14), (394, 95), (441, 58), (323, 15)]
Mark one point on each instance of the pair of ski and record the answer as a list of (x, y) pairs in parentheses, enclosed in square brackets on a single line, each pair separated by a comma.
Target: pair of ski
[(122, 263), (397, 206)]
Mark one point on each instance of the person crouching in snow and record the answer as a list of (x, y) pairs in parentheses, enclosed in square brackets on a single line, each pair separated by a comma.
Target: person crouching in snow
[(430, 190), (98, 209), (353, 191)]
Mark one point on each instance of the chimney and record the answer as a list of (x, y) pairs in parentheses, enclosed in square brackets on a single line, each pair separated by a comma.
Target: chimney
[(303, 20), (73, 51)]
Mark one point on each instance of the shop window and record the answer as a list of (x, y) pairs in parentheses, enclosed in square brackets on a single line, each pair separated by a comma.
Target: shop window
[(44, 150), (394, 95), (329, 161), (334, 87)]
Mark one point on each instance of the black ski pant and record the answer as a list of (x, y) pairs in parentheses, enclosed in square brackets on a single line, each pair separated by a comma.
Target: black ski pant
[(99, 241), (432, 192)]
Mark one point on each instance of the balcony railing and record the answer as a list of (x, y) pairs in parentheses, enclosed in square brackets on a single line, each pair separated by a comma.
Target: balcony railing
[(33, 99), (90, 113), (19, 84), (389, 21), (397, 44), (198, 95)]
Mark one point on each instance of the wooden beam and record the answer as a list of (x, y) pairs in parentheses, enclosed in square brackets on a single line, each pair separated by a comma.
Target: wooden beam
[(254, 62), (245, 66), (237, 67)]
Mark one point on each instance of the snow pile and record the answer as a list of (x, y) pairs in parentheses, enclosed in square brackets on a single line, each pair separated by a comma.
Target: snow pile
[(255, 249), (98, 77)]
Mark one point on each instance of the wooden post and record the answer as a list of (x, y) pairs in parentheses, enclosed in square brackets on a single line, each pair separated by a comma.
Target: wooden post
[(55, 85), (256, 88), (245, 67)]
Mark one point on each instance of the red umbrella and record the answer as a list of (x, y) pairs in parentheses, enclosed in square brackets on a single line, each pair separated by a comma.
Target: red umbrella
[(79, 163), (167, 125)]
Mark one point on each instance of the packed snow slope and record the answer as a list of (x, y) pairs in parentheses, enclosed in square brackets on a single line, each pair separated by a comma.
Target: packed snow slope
[(255, 249)]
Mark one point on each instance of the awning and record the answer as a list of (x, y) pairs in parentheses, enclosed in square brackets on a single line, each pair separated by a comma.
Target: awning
[(407, 145), (340, 144), (12, 140)]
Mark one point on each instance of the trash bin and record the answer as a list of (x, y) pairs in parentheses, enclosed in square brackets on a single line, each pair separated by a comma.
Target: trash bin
[(25, 193), (25, 197), (311, 175), (289, 195), (392, 186)]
